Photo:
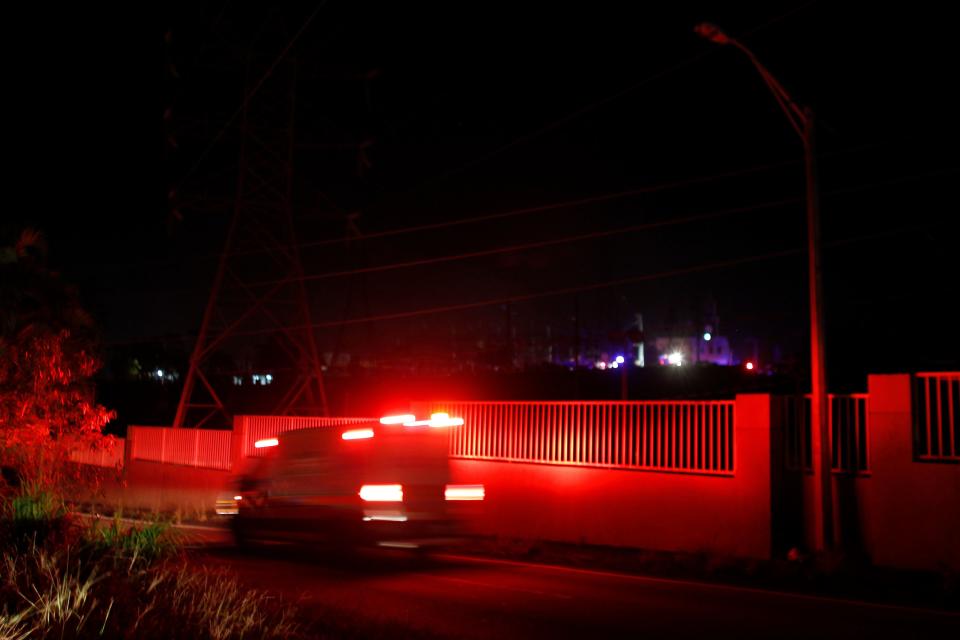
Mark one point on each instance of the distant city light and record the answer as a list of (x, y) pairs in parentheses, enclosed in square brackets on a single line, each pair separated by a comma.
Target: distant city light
[(601, 365), (614, 365), (707, 336), (749, 366), (675, 358), (619, 359), (159, 373)]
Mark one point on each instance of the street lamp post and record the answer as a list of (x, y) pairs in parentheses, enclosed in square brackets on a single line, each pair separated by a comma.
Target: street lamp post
[(802, 121)]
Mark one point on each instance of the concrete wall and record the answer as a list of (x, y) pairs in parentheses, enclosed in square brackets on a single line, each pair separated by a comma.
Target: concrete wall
[(160, 487), (903, 513), (911, 510), (652, 510)]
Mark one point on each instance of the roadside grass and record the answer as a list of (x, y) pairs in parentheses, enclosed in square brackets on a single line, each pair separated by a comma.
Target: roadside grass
[(60, 578), (49, 594), (148, 542)]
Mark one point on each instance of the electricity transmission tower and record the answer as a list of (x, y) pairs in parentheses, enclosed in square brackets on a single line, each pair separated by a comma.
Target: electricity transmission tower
[(259, 286), (261, 245)]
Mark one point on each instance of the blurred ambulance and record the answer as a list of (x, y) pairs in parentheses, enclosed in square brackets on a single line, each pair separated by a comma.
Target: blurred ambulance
[(384, 483)]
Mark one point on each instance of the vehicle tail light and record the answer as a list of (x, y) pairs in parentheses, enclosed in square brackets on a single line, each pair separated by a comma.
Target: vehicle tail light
[(464, 492), (357, 434), (227, 507), (398, 419), (269, 442), (382, 492)]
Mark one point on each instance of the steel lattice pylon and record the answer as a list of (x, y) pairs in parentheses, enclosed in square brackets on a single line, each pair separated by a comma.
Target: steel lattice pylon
[(261, 245)]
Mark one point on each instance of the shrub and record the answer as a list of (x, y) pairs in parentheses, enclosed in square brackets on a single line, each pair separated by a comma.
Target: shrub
[(34, 516), (36, 504), (136, 543)]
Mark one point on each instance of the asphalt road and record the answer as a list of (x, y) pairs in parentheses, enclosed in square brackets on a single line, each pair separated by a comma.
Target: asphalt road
[(463, 597)]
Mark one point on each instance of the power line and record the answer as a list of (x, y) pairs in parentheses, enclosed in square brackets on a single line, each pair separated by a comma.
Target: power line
[(602, 197), (710, 215), (544, 243), (590, 287), (597, 198), (568, 290), (512, 213), (533, 296), (570, 239)]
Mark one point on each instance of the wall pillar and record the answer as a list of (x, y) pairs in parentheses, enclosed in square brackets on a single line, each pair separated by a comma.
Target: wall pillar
[(912, 508)]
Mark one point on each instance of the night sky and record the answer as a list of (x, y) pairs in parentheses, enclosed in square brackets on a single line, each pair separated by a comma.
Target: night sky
[(487, 108)]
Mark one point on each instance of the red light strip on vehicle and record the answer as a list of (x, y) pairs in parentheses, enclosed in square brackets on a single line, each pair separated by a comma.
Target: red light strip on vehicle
[(357, 434), (436, 420), (263, 444), (464, 492), (398, 419), (382, 492)]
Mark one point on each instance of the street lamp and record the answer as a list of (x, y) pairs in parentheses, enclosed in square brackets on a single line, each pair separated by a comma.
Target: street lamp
[(802, 121)]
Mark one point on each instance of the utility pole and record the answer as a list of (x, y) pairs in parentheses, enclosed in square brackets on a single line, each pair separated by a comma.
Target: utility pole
[(824, 533), (576, 332), (802, 121), (624, 366), (640, 355)]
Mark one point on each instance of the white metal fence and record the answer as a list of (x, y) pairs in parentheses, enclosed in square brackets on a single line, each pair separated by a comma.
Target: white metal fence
[(189, 447), (685, 436), (936, 411)]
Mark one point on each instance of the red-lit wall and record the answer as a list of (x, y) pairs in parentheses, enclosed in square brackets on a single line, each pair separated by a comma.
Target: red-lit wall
[(902, 512), (910, 510), (159, 487), (652, 510)]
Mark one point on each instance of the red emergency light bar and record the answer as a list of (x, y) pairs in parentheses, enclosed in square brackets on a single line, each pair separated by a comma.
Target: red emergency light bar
[(268, 442), (410, 420), (436, 420)]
